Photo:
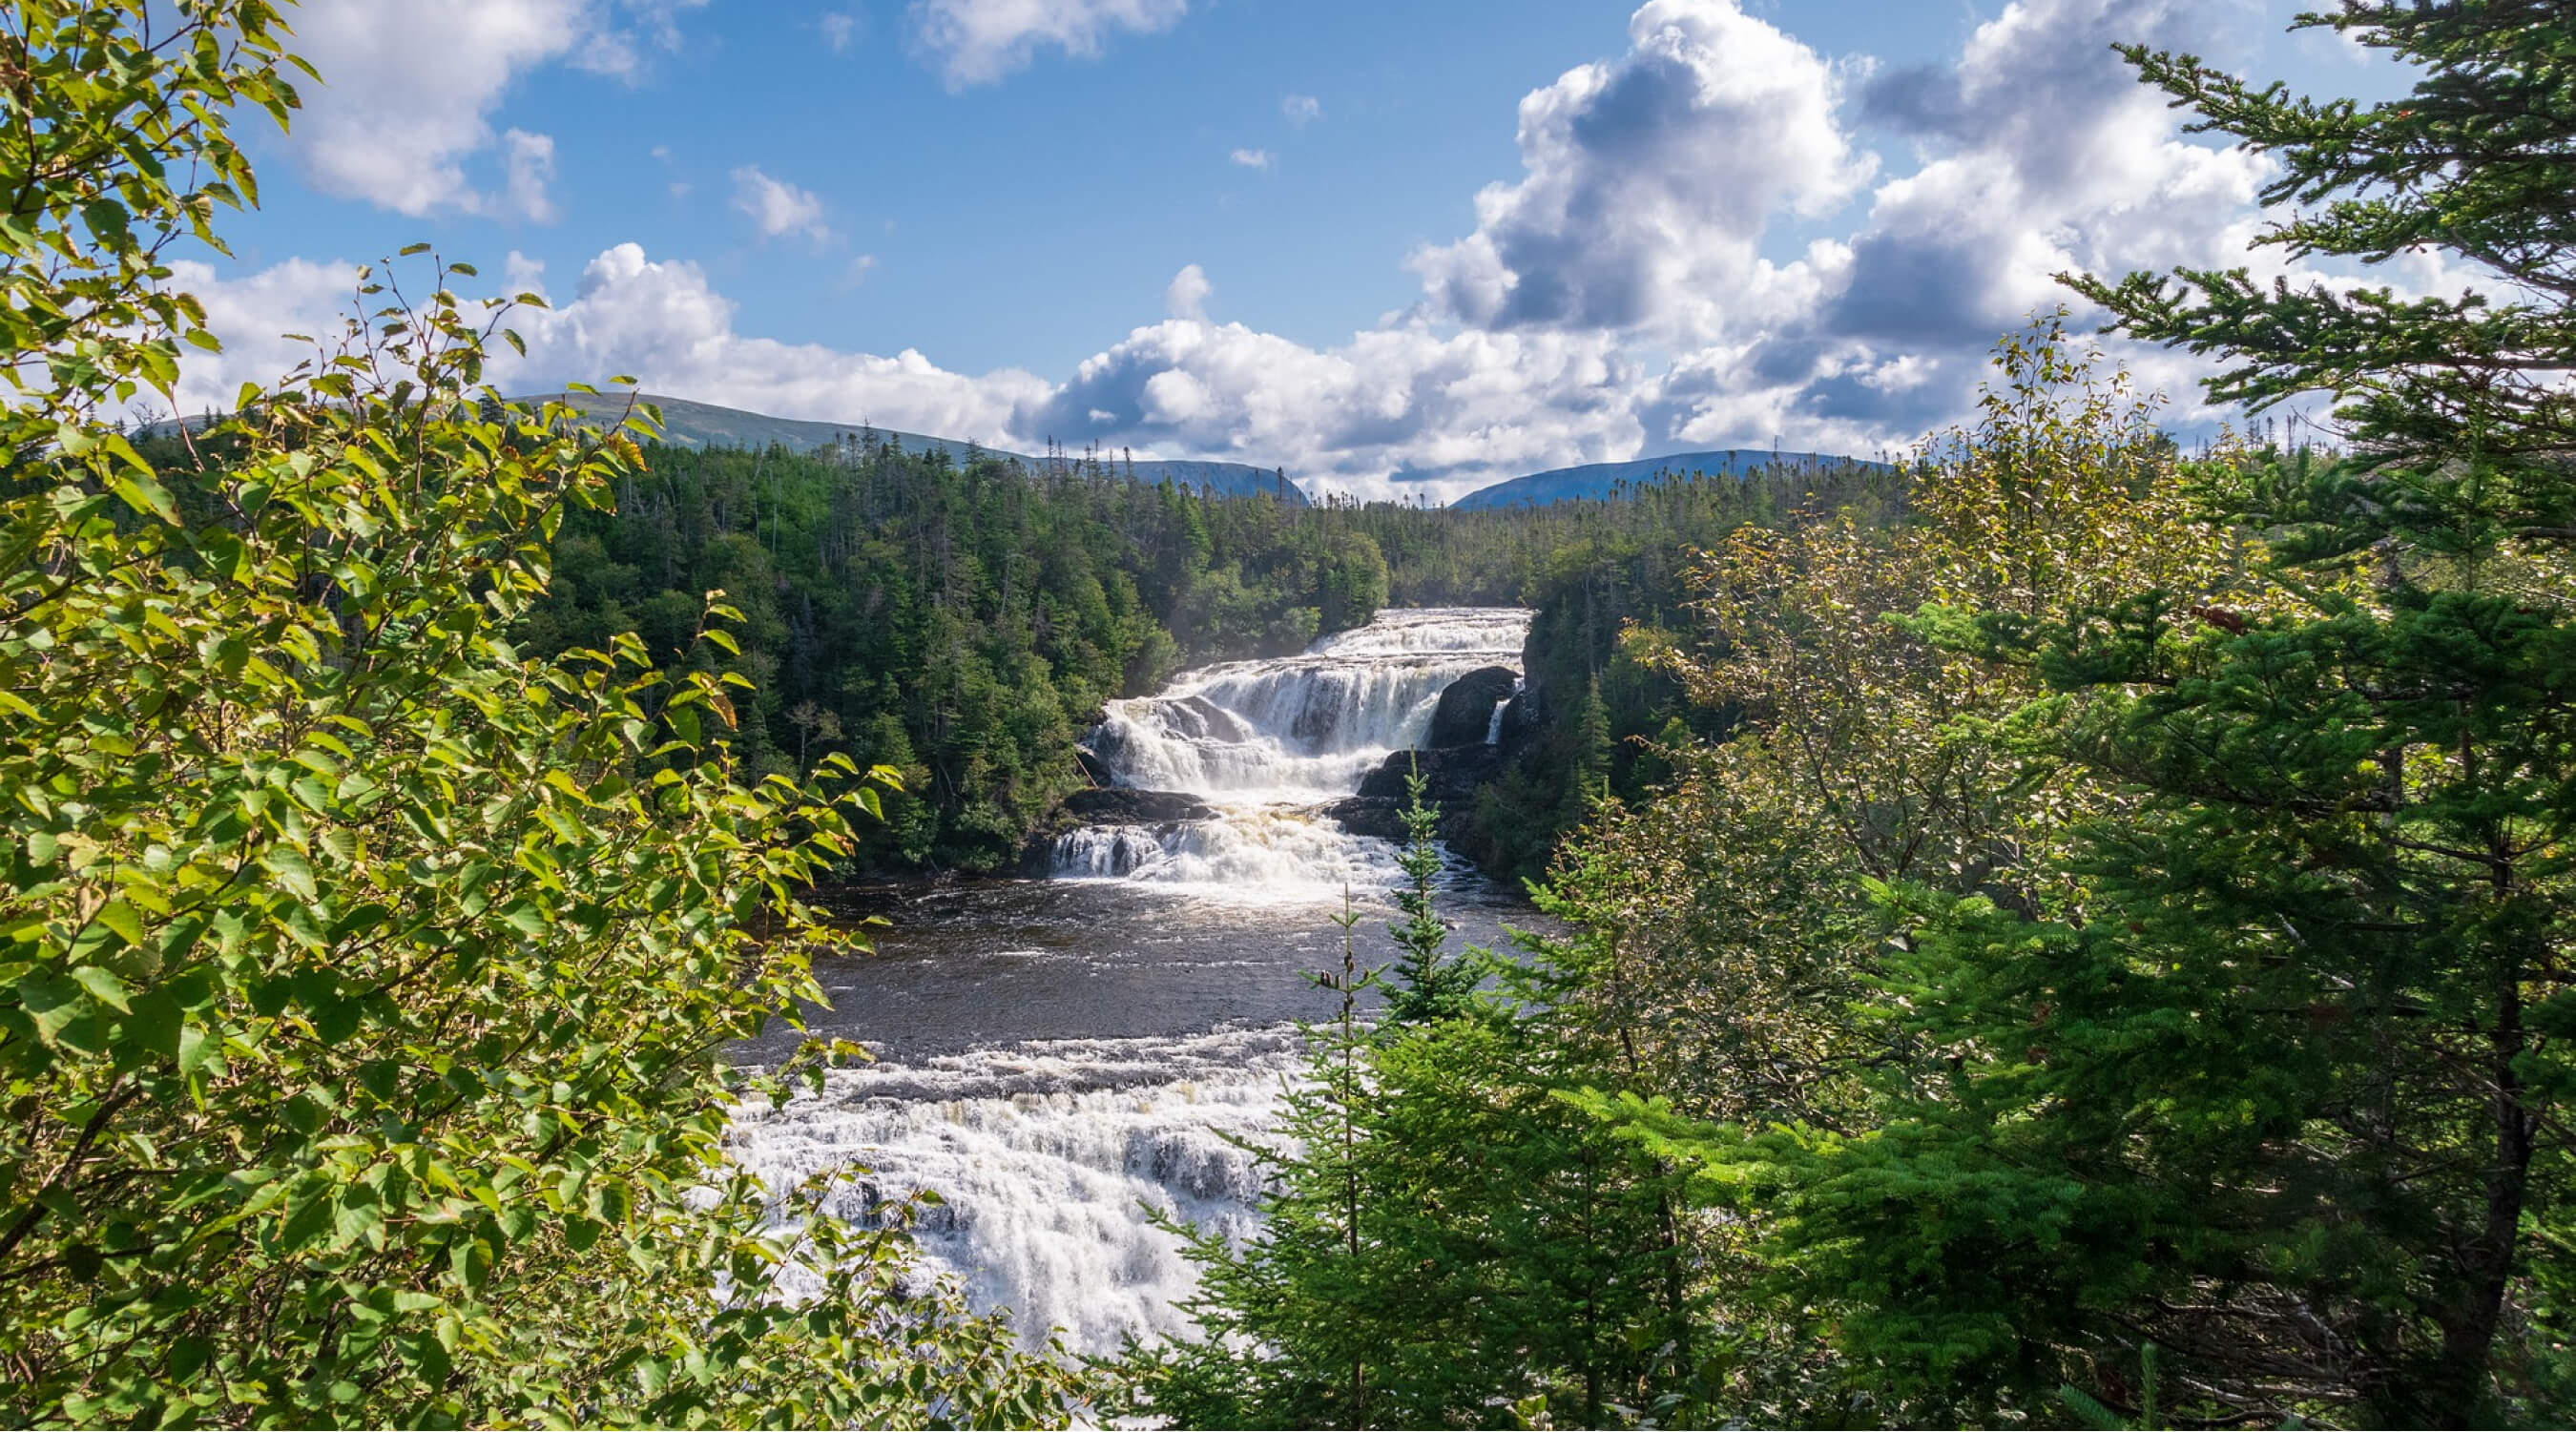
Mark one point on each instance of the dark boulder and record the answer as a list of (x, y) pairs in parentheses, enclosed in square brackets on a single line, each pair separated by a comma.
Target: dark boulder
[(1450, 774), (1118, 805), (1105, 805), (1450, 779), (1368, 815), (1466, 710)]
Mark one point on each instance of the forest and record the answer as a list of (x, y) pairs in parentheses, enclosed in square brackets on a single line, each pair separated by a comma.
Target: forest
[(962, 625), (2072, 929)]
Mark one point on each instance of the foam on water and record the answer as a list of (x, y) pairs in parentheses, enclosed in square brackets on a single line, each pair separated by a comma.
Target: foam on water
[(1046, 1156), (1252, 855)]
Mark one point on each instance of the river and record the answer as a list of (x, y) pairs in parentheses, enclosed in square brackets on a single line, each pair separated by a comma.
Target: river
[(1056, 1055)]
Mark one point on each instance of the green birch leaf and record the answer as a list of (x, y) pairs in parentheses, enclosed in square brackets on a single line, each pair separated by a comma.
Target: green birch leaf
[(105, 987), (123, 919)]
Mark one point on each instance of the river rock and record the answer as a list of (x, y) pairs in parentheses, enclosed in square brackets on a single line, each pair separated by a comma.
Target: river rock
[(1466, 709), (1450, 774), (1367, 815), (1118, 805)]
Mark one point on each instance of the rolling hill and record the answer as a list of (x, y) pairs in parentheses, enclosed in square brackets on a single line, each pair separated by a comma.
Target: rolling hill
[(1603, 479), (688, 423)]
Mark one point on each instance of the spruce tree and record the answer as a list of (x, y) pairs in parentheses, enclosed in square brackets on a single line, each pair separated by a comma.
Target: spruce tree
[(1446, 1240), (1427, 986), (2455, 406), (2372, 797)]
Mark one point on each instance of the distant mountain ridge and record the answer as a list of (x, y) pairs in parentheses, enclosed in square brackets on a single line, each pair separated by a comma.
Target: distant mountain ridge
[(1602, 479), (689, 423)]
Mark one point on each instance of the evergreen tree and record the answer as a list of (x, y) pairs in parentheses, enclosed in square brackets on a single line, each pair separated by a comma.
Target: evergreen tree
[(1590, 739), (1292, 1331), (2279, 1087), (1427, 985), (2455, 406), (2370, 799)]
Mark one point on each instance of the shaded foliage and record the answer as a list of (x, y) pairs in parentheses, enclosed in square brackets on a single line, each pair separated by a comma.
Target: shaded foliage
[(366, 981)]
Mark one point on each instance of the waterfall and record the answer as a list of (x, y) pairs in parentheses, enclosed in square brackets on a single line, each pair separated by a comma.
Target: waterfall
[(1494, 723), (1046, 1150), (1260, 739), (1259, 854)]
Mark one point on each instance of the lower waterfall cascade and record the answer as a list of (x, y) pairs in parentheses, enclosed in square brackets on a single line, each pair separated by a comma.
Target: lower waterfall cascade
[(1065, 1053), (1045, 1157)]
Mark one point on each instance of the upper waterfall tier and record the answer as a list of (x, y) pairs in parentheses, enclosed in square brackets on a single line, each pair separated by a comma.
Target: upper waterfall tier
[(1305, 727)]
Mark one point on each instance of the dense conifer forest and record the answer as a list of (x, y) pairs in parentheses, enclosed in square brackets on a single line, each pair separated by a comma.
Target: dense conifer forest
[(2074, 930)]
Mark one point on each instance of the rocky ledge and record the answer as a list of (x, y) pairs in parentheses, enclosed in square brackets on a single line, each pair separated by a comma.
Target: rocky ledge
[(1449, 780), (1118, 805), (1107, 805), (1455, 763), (1366, 815)]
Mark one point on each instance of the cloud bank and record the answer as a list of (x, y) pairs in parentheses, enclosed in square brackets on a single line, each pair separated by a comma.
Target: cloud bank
[(1634, 290)]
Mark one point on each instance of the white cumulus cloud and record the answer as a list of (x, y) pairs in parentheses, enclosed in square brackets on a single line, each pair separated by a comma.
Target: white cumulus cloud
[(979, 41), (1251, 158), (2040, 153), (1627, 294), (660, 321), (1651, 181), (780, 209), (409, 88)]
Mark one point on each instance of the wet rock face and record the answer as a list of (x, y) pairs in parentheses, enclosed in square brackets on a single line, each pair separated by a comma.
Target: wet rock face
[(1466, 709), (1449, 774), (1108, 806), (1117, 805), (1449, 780), (1368, 815)]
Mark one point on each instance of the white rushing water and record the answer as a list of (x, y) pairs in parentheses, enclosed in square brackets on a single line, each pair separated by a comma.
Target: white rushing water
[(1308, 727), (1047, 1151), (1046, 1157), (1254, 854), (1264, 740)]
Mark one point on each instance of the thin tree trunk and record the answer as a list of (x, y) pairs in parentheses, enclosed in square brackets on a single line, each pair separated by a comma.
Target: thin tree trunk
[(2455, 1394)]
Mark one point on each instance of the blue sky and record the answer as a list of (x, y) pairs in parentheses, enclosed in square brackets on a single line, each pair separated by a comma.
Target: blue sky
[(1252, 229)]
